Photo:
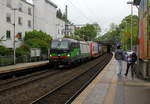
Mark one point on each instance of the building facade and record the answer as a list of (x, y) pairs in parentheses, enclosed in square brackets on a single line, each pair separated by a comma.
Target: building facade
[(45, 16), (71, 29), (60, 28), (41, 15), (16, 18)]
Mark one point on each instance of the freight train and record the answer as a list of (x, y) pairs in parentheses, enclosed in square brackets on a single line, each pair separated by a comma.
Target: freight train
[(66, 51)]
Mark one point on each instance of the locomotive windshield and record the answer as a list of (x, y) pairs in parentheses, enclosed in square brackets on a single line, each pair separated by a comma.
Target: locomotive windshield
[(60, 44)]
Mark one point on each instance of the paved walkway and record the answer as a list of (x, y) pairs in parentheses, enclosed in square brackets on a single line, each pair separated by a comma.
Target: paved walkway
[(21, 66), (108, 88)]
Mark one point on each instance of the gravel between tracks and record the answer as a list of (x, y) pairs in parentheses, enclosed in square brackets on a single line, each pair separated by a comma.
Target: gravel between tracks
[(29, 92)]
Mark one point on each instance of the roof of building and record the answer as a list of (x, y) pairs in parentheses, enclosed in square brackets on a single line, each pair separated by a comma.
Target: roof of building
[(27, 2), (136, 2), (51, 3)]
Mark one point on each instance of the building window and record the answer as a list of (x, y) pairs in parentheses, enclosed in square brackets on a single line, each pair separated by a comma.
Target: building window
[(29, 23), (29, 11), (9, 3), (8, 18), (20, 7), (19, 36), (8, 34), (20, 21)]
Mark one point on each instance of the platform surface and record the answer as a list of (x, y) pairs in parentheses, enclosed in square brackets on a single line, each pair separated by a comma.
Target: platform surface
[(109, 88), (21, 66)]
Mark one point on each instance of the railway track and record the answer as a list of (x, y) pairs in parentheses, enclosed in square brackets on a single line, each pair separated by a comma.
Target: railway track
[(14, 78), (12, 84), (28, 89), (67, 91)]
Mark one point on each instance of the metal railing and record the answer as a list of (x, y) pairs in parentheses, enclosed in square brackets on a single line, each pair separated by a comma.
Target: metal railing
[(8, 60)]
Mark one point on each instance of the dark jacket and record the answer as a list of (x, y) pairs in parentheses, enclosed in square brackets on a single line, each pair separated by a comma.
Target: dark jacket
[(119, 54), (131, 58), (134, 57)]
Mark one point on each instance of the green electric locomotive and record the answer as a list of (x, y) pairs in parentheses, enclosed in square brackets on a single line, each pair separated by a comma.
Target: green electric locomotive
[(68, 51)]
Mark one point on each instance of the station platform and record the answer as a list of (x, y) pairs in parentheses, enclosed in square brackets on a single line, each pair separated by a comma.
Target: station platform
[(21, 66), (109, 88)]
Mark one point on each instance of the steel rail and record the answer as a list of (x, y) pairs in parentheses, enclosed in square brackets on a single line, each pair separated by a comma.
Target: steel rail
[(69, 81), (30, 81), (87, 83), (14, 79)]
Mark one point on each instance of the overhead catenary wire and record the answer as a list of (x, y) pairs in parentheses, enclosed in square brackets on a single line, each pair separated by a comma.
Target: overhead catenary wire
[(46, 22), (82, 13), (91, 11)]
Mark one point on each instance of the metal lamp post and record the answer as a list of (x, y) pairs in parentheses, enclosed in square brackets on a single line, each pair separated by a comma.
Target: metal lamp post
[(131, 2), (14, 45)]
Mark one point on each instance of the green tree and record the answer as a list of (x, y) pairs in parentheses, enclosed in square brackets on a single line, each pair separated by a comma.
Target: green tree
[(112, 35), (64, 17), (98, 28), (87, 32), (23, 50), (59, 14), (125, 27), (122, 32), (5, 51), (113, 27), (37, 39)]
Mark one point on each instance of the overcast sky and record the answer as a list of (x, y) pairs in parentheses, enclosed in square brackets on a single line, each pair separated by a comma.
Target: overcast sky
[(104, 12)]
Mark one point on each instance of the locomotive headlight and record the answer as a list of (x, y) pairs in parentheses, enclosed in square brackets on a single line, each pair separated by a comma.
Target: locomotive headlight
[(68, 55), (50, 55)]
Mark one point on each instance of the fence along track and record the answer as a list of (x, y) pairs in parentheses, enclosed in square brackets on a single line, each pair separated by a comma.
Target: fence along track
[(8, 60), (62, 94)]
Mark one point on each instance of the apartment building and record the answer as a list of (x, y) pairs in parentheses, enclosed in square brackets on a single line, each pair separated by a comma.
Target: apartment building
[(41, 15), (16, 18), (45, 16), (60, 28), (71, 29)]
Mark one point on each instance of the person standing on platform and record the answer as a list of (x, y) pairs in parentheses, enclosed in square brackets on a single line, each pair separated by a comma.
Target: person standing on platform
[(119, 57), (131, 59)]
